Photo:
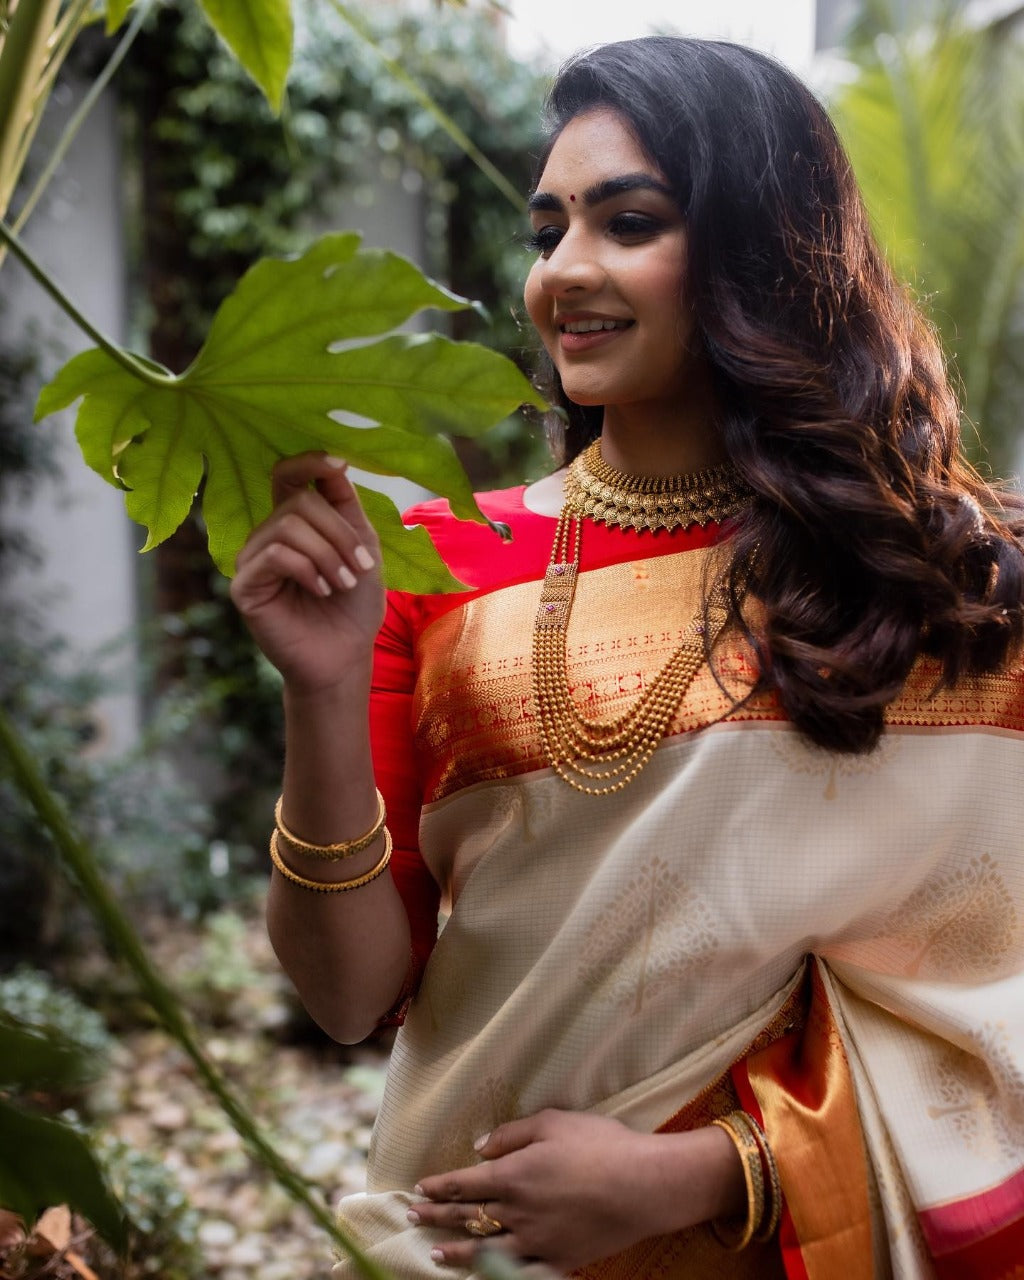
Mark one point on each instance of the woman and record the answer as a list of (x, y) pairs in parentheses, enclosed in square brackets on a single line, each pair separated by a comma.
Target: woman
[(718, 768)]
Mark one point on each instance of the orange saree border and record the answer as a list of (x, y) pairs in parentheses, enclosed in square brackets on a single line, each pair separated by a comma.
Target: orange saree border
[(980, 1237), (801, 1091)]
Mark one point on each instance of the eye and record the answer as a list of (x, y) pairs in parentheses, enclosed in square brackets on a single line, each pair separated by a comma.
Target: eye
[(544, 240), (634, 226)]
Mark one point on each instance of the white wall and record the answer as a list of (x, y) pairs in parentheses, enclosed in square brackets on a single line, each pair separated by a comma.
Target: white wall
[(86, 582)]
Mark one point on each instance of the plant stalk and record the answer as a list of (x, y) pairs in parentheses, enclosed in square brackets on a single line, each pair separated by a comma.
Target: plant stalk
[(23, 57), (79, 118), (125, 942), (125, 359)]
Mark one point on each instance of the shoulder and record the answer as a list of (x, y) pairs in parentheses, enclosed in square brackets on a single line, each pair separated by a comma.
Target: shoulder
[(474, 552)]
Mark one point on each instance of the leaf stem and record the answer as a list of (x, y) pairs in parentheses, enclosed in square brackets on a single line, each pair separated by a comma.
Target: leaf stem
[(79, 861), (125, 359), (461, 140), (78, 119), (22, 60)]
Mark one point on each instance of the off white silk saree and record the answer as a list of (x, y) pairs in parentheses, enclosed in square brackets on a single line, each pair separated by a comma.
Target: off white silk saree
[(836, 941)]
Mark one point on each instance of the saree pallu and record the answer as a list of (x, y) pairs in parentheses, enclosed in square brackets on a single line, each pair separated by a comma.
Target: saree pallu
[(833, 941)]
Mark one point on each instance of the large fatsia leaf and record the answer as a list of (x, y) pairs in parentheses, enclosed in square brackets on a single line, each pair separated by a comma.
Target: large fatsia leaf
[(259, 34), (269, 383), (44, 1162)]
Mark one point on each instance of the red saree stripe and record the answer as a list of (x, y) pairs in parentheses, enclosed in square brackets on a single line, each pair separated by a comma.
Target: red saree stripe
[(1000, 1257), (963, 1224)]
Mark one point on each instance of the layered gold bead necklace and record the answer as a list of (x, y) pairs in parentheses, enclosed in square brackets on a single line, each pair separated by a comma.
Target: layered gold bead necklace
[(594, 756)]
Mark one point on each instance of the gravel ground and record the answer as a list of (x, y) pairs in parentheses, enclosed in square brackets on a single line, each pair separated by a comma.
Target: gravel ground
[(316, 1101)]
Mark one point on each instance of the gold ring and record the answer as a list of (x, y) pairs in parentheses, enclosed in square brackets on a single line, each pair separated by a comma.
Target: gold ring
[(483, 1224)]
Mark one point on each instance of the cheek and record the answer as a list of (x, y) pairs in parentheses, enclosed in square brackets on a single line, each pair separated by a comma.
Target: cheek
[(537, 307)]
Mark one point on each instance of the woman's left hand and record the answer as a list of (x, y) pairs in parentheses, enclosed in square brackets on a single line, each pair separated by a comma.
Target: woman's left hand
[(569, 1188)]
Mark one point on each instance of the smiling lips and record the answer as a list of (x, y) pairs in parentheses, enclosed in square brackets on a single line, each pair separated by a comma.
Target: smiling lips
[(585, 332)]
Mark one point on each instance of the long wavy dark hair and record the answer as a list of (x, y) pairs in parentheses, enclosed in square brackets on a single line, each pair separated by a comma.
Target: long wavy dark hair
[(870, 539)]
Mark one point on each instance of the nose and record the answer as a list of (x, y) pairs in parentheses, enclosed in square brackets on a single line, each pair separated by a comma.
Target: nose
[(575, 265)]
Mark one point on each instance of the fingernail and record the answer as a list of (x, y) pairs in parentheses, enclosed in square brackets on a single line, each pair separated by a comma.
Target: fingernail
[(363, 558), (348, 578), (481, 1142), (437, 1255), (418, 1190), (337, 463), (413, 1217), (321, 586)]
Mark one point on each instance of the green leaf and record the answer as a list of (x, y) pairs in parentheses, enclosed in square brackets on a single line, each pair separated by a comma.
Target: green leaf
[(259, 34), (31, 1057), (44, 1162), (116, 11), (268, 384), (411, 561)]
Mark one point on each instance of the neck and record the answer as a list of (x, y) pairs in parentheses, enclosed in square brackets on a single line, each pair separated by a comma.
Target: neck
[(664, 440)]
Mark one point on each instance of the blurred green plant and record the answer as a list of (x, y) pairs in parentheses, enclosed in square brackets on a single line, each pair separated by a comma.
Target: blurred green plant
[(931, 111), (44, 1161), (30, 997), (162, 1226)]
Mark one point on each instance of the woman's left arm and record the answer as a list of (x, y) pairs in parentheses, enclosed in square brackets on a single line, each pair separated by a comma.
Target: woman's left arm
[(569, 1188)]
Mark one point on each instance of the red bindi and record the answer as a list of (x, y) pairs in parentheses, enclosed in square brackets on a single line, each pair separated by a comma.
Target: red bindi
[(572, 197)]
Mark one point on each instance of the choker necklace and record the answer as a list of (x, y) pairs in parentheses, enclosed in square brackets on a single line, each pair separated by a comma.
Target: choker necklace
[(596, 490), (600, 757)]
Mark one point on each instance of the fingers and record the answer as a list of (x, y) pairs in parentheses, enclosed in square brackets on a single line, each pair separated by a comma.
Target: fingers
[(516, 1134), (293, 475)]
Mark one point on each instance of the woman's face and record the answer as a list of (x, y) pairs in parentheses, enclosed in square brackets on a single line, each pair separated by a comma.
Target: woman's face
[(605, 292)]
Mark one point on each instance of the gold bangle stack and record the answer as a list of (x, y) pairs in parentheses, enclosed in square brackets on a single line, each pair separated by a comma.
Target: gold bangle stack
[(330, 886), (761, 1176), (331, 852)]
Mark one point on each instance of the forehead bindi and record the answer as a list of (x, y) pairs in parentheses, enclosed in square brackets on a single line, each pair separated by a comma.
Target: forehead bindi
[(594, 158)]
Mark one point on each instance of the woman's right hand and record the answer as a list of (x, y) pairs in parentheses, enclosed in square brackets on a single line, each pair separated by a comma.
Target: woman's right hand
[(307, 581)]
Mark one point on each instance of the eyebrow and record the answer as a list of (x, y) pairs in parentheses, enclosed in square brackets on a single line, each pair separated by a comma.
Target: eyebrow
[(546, 201)]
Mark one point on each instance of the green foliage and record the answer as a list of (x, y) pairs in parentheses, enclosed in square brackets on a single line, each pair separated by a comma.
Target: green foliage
[(263, 386), (162, 1226), (224, 182), (259, 33), (29, 1058), (77, 1034), (44, 1162), (932, 121), (48, 1039)]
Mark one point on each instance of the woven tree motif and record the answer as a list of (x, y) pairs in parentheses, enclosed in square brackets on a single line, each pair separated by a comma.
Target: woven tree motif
[(645, 941), (982, 1094), (957, 925), (805, 757), (491, 1103)]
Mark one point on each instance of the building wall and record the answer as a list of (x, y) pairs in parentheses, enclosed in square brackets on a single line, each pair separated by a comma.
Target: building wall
[(86, 582)]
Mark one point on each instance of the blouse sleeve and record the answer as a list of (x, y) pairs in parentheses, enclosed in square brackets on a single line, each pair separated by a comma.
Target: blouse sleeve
[(398, 777)]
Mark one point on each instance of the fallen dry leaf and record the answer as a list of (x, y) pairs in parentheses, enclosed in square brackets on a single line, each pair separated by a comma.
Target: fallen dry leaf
[(12, 1229), (54, 1226)]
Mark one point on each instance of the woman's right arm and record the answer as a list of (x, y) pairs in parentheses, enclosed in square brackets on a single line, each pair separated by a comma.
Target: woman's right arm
[(308, 585)]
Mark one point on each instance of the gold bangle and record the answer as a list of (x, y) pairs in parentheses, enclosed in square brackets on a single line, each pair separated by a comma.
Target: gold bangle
[(332, 852), (753, 1177), (330, 886), (773, 1197)]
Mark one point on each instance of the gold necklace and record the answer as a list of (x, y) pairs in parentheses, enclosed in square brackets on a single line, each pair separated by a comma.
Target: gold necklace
[(594, 489), (600, 757)]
